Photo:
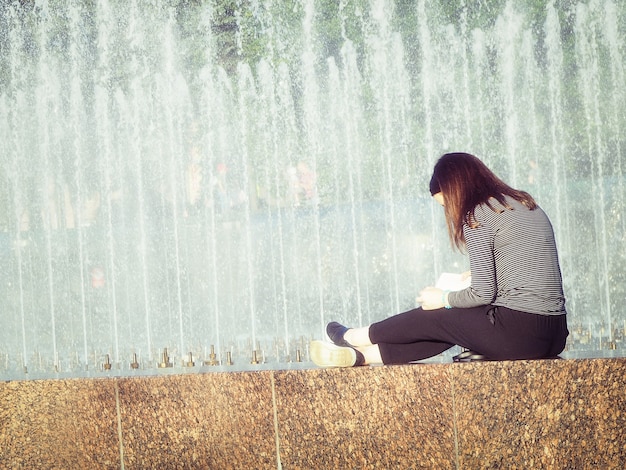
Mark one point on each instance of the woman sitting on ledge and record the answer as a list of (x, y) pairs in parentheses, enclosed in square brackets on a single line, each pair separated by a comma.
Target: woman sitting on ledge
[(514, 307)]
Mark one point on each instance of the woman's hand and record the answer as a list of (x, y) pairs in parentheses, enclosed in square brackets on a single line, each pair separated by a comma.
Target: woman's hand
[(431, 298)]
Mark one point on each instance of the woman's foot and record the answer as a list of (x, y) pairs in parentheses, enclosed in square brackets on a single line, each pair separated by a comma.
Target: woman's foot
[(335, 332), (325, 354)]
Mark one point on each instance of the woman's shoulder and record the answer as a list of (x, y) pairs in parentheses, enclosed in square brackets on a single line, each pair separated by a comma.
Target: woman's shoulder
[(493, 205), (494, 210)]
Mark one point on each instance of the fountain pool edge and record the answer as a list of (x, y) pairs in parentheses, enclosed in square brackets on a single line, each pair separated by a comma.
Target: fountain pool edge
[(567, 413)]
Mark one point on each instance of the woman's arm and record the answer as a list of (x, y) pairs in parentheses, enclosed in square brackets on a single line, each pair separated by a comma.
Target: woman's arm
[(479, 242)]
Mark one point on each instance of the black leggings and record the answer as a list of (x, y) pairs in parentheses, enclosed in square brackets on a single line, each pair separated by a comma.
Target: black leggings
[(499, 333)]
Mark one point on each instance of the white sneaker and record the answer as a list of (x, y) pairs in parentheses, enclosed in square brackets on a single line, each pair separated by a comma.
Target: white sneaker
[(325, 354)]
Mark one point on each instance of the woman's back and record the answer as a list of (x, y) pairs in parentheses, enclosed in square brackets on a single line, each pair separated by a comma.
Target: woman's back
[(514, 259)]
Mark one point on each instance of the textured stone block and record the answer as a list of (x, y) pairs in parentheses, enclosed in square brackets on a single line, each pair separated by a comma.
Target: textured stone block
[(62, 424), (216, 420), (379, 417), (541, 414)]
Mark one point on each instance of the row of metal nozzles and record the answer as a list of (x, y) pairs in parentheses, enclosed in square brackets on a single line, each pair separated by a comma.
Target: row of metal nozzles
[(212, 360)]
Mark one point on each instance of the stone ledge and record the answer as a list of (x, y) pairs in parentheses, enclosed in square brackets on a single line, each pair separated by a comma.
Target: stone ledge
[(525, 414)]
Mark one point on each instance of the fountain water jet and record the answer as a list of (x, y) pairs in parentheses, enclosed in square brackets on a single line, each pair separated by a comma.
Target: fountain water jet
[(158, 196)]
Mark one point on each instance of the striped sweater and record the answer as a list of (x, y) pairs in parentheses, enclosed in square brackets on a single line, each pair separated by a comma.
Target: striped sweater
[(514, 261)]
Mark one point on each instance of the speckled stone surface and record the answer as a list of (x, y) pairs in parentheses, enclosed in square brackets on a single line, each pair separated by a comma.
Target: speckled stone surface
[(58, 424), (217, 420), (552, 414), (366, 418)]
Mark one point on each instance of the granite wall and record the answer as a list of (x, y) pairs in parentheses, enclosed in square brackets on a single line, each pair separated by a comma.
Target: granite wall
[(550, 414)]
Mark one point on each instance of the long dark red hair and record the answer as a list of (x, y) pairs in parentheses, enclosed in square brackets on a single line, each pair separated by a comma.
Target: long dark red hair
[(467, 182)]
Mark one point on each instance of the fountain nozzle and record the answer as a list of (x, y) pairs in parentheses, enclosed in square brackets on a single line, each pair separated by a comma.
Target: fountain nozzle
[(212, 361), (165, 360), (135, 363), (190, 362)]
